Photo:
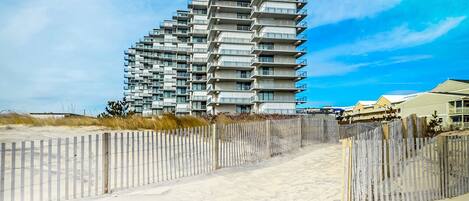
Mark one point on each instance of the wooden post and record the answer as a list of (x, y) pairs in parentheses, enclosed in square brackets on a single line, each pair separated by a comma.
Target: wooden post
[(215, 150), (300, 134), (442, 149), (268, 129), (106, 159), (385, 127)]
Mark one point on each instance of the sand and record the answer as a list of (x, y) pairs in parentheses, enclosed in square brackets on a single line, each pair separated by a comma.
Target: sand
[(313, 173), (17, 133)]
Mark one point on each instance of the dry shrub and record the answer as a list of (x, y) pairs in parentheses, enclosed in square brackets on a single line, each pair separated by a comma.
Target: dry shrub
[(167, 121)]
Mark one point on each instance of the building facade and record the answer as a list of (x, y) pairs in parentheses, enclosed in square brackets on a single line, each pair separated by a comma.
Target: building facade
[(225, 56)]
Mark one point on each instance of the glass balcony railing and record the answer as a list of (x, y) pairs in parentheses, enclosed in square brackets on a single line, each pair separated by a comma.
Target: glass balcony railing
[(279, 111), (231, 3), (234, 100), (292, 11), (458, 110), (234, 52)]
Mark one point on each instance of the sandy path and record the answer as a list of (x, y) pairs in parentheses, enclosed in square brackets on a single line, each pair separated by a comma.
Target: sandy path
[(314, 173)]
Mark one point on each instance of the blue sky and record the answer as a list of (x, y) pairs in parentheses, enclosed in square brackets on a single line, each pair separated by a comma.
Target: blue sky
[(68, 55)]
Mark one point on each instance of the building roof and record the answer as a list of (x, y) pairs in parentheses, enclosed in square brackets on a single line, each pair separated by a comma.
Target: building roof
[(366, 103), (459, 80), (398, 98)]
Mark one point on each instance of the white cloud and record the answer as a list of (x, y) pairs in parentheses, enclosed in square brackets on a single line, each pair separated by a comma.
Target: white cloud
[(57, 53), (326, 64), (324, 12)]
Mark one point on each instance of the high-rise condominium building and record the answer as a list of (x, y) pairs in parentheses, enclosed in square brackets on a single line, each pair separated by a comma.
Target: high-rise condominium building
[(221, 57)]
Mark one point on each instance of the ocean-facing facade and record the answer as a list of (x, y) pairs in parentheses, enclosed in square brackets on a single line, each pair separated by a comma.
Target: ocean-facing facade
[(240, 56)]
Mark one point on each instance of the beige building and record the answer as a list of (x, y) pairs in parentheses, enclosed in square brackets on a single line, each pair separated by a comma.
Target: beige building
[(449, 99)]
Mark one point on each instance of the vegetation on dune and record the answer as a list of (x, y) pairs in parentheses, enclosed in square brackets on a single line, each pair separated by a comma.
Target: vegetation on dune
[(118, 116), (134, 122), (167, 121)]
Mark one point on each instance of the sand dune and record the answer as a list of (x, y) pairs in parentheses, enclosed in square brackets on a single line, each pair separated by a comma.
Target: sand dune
[(313, 173)]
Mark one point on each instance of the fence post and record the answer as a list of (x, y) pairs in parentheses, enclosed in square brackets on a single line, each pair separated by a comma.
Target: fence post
[(215, 147), (106, 159), (300, 133), (442, 149), (268, 129)]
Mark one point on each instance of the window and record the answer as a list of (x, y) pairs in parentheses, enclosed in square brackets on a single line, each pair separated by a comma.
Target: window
[(266, 58), (267, 71), (243, 109), (266, 46), (167, 94), (242, 27), (266, 95), (244, 74), (198, 86), (199, 11), (199, 39), (181, 99), (242, 16), (243, 86)]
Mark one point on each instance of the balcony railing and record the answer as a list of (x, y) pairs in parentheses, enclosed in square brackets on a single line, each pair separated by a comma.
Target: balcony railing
[(234, 52), (272, 73), (281, 36), (199, 107), (269, 60), (234, 100), (235, 63), (279, 86), (199, 69), (199, 59), (458, 110), (231, 3), (279, 111), (233, 40), (273, 99), (199, 98), (463, 125), (283, 10)]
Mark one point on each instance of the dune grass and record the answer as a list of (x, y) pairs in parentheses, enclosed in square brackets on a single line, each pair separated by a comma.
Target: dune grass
[(166, 121)]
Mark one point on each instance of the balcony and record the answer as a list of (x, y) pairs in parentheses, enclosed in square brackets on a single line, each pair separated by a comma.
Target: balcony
[(182, 110), (260, 62), (229, 100), (199, 70), (230, 6), (234, 77), (195, 3), (461, 125), (279, 87), (228, 52), (229, 65), (271, 37), (458, 110), (198, 78), (279, 13), (274, 99), (198, 60), (199, 32), (278, 50), (279, 111), (199, 98), (298, 75)]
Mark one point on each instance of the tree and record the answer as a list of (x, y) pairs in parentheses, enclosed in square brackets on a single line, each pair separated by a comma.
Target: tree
[(117, 109), (434, 125)]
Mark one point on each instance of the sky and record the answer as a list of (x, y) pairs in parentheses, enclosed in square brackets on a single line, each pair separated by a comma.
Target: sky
[(67, 56)]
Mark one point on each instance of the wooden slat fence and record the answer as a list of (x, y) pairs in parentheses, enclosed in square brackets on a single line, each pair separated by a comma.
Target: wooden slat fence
[(404, 165), (86, 166)]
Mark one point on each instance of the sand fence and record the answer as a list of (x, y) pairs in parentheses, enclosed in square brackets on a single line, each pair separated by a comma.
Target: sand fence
[(397, 161), (86, 166)]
